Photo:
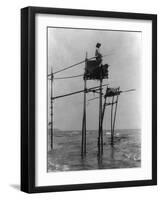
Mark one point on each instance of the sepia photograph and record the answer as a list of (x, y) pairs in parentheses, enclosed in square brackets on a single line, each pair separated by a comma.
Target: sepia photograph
[(94, 99)]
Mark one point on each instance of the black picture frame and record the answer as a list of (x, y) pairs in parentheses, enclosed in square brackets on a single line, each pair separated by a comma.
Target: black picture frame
[(28, 91)]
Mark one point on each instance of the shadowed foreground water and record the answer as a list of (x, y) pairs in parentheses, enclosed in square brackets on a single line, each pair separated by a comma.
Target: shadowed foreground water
[(126, 152)]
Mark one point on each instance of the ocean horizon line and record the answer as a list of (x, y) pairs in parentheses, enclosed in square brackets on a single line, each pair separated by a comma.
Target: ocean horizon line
[(57, 129)]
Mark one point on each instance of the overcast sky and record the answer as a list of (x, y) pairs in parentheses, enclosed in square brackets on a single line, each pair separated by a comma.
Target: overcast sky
[(69, 46)]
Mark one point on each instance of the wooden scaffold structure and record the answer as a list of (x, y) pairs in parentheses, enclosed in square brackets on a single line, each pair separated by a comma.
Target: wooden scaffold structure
[(92, 71)]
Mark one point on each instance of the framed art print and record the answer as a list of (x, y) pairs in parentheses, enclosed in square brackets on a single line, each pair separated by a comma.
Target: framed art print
[(88, 99)]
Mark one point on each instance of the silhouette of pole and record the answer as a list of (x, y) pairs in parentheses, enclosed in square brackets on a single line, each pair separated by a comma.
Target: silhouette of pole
[(74, 65), (101, 129), (115, 111), (104, 107), (83, 147), (68, 77), (112, 121), (92, 89), (100, 133), (51, 102)]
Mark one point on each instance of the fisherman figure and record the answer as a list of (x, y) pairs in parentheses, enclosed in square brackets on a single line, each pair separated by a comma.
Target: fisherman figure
[(98, 54)]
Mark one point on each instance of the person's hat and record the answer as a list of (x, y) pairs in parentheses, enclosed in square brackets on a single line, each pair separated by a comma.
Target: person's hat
[(98, 44)]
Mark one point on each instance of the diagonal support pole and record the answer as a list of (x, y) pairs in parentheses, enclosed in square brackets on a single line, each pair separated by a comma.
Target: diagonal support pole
[(115, 110)]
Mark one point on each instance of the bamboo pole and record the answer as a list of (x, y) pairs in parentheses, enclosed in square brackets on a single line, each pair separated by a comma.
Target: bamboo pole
[(100, 133), (112, 121), (71, 66), (115, 110), (51, 136), (77, 92), (83, 148), (82, 144), (103, 111)]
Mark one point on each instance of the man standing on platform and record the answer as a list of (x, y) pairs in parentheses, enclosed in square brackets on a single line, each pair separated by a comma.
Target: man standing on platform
[(98, 54)]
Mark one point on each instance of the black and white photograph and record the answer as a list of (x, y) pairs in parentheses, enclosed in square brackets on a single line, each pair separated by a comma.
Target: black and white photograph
[(89, 87), (94, 99)]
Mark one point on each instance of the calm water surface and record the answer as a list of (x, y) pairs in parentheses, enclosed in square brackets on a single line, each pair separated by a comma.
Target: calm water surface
[(126, 152)]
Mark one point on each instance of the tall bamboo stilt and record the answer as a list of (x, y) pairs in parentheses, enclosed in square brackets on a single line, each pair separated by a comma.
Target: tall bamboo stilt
[(112, 136), (83, 148), (100, 133), (51, 102), (115, 110)]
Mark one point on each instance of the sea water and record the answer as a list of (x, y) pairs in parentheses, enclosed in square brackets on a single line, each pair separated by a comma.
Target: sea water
[(66, 153)]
